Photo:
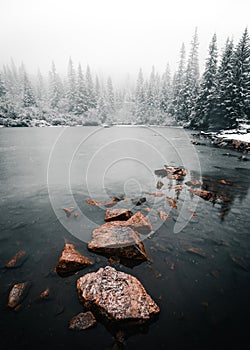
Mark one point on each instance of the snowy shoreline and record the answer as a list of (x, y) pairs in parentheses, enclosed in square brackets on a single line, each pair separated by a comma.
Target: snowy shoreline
[(238, 139)]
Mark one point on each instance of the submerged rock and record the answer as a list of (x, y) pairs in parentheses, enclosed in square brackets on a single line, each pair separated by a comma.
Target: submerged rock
[(116, 296), (138, 201), (17, 260), (44, 294), (140, 223), (82, 321), (71, 261), (117, 214), (17, 294), (117, 239), (206, 195)]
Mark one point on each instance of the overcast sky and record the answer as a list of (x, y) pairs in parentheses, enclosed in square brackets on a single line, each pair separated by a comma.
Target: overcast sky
[(114, 37)]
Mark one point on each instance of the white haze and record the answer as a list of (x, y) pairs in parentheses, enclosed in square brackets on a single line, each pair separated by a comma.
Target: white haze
[(115, 37)]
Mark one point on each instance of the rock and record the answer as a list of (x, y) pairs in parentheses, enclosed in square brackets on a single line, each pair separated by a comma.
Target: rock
[(197, 251), (82, 321), (239, 261), (117, 214), (161, 172), (138, 201), (44, 294), (17, 260), (93, 202), (17, 294), (175, 171), (68, 211), (71, 261), (140, 223), (158, 194), (206, 195), (163, 215), (116, 296), (172, 202), (159, 185), (193, 183), (117, 239)]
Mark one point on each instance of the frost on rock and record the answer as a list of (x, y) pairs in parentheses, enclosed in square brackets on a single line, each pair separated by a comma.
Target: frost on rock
[(116, 296)]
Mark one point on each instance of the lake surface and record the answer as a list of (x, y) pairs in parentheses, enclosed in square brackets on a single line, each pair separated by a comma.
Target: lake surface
[(199, 259)]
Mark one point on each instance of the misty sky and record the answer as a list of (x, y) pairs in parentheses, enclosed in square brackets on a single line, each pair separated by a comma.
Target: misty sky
[(114, 37)]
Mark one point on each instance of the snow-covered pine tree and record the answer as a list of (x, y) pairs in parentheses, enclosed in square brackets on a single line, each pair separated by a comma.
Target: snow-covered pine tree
[(3, 89), (90, 91), (190, 88), (71, 87), (81, 93), (165, 93), (204, 112), (178, 83), (242, 77), (41, 95), (28, 97), (110, 95), (225, 112), (55, 88), (140, 99)]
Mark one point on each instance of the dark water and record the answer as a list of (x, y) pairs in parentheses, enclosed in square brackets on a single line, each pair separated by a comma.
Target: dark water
[(204, 300)]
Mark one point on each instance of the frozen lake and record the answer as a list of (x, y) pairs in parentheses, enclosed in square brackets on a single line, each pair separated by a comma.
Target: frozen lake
[(204, 298)]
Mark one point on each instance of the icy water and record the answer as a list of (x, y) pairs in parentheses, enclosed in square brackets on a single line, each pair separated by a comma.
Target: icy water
[(199, 259)]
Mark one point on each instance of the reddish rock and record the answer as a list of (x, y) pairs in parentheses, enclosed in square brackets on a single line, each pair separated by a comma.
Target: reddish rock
[(82, 321), (175, 171), (17, 294), (158, 194), (93, 202), (117, 239), (111, 203), (172, 202), (116, 296), (206, 195), (68, 211), (193, 183), (163, 215), (117, 214), (17, 260), (71, 261), (197, 251), (44, 294), (140, 223)]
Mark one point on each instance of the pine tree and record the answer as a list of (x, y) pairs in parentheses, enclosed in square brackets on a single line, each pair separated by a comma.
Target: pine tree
[(165, 93), (90, 91), (225, 111), (178, 85), (110, 94), (204, 115), (3, 90), (55, 87), (140, 99), (40, 89), (189, 91), (242, 77), (81, 94), (71, 87), (28, 98)]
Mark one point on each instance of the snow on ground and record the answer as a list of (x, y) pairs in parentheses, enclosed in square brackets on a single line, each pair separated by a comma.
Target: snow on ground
[(236, 136)]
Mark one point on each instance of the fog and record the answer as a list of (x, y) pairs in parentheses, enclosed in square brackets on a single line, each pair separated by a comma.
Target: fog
[(115, 37)]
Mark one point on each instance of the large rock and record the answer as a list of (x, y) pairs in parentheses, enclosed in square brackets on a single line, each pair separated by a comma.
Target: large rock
[(117, 239), (71, 261), (117, 215), (116, 296), (140, 223)]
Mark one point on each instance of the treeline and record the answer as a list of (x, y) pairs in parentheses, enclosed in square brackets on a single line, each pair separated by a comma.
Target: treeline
[(214, 100), (78, 99)]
